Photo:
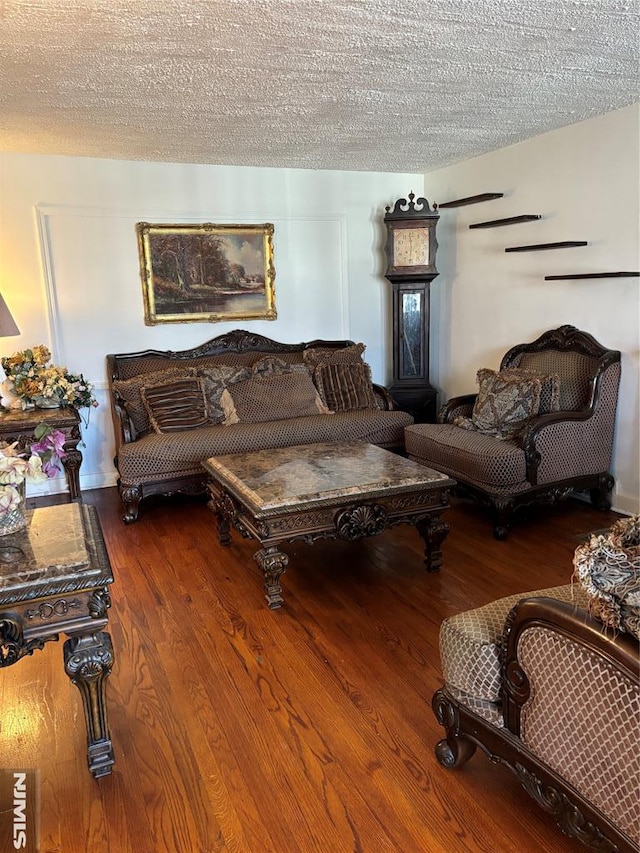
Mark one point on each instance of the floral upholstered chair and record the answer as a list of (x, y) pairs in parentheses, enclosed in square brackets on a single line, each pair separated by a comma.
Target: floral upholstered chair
[(549, 690), (537, 429)]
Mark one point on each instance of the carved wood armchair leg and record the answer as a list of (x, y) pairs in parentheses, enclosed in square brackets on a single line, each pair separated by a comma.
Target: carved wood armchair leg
[(454, 750)]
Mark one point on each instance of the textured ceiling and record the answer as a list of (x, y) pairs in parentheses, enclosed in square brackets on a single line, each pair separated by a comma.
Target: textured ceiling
[(380, 85)]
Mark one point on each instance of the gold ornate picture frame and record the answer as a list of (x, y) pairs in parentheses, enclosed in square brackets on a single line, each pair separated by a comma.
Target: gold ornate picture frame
[(206, 273)]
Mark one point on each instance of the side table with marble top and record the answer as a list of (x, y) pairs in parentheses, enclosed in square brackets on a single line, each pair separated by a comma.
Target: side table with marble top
[(54, 579), (19, 425)]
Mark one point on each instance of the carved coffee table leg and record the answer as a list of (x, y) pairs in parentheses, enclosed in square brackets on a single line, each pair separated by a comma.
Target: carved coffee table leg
[(222, 508), (88, 661), (434, 531), (273, 563)]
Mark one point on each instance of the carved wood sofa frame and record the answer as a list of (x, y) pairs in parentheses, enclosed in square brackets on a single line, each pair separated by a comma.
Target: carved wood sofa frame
[(126, 365), (465, 730)]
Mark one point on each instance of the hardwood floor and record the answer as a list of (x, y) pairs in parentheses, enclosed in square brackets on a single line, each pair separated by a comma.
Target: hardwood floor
[(241, 729)]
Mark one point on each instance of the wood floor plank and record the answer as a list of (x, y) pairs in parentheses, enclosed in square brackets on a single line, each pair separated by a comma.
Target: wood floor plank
[(244, 730)]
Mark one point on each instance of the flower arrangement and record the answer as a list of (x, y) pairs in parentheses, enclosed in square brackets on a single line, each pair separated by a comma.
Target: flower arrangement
[(46, 454), (32, 380)]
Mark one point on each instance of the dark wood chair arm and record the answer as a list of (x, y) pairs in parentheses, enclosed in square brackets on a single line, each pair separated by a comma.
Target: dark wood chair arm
[(462, 405), (387, 402), (124, 430)]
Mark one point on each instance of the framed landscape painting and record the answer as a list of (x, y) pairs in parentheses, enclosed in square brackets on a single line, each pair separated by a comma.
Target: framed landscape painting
[(206, 273)]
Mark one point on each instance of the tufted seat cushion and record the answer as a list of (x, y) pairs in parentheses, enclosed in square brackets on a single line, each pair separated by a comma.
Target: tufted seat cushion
[(470, 648), (164, 456), (491, 462)]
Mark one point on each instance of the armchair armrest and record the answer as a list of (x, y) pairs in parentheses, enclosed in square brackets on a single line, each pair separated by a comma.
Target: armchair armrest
[(124, 429), (455, 407), (383, 398), (570, 695)]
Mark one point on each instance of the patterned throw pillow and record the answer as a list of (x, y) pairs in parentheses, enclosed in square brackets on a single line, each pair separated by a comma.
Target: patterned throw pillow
[(131, 392), (272, 398), (326, 355), (344, 387), (215, 380), (176, 405), (550, 391), (504, 403), (270, 364), (608, 569)]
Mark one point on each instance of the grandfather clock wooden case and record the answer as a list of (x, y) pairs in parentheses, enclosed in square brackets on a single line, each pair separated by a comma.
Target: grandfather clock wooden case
[(411, 267)]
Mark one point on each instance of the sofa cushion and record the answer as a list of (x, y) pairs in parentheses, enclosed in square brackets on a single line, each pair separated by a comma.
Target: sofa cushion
[(505, 402), (156, 457), (470, 642), (344, 387), (271, 397), (176, 405), (215, 380), (608, 569), (131, 392), (328, 355), (485, 460)]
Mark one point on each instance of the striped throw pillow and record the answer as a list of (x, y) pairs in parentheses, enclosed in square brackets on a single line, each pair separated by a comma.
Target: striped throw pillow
[(176, 405)]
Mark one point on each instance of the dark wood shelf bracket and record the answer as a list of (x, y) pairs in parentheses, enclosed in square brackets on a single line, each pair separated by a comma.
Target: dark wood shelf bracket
[(472, 199), (592, 275), (535, 247), (511, 220)]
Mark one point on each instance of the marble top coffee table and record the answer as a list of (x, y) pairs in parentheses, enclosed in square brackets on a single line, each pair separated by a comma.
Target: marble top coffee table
[(344, 490)]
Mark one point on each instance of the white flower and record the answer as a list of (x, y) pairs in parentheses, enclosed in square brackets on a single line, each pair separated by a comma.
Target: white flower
[(9, 499)]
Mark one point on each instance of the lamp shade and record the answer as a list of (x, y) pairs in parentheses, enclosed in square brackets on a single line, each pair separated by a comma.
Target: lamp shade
[(8, 326)]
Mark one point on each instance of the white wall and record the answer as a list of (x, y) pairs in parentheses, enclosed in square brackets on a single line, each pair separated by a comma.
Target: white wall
[(584, 180), (69, 266)]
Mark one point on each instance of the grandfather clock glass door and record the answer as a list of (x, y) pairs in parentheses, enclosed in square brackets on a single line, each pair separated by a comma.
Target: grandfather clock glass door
[(413, 359)]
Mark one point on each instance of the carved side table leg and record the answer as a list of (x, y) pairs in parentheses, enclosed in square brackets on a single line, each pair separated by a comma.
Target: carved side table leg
[(433, 531), (87, 662), (71, 464), (273, 563)]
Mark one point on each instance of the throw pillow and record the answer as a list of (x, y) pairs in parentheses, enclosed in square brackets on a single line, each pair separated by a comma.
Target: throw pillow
[(344, 387), (608, 569), (215, 380), (270, 364), (327, 355), (272, 398), (505, 404), (131, 392), (550, 390), (176, 405)]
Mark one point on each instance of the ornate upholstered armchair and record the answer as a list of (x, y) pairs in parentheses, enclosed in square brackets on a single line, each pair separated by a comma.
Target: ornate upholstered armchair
[(539, 428), (551, 691)]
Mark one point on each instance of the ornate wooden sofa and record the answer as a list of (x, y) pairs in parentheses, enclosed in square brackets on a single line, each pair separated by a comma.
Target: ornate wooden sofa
[(152, 461)]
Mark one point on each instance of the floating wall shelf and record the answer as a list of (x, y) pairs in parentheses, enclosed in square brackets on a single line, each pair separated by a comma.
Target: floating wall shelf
[(565, 244), (592, 275), (511, 220), (472, 199)]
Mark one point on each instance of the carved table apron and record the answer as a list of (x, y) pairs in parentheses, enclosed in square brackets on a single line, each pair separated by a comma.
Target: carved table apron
[(341, 490), (54, 578)]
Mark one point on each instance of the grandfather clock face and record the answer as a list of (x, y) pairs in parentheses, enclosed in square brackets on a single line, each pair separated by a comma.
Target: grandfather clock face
[(410, 247)]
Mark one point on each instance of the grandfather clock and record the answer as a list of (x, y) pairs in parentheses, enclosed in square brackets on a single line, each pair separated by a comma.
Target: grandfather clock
[(411, 267)]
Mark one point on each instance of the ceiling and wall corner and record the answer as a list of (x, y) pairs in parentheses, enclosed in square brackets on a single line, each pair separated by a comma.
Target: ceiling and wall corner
[(371, 85)]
